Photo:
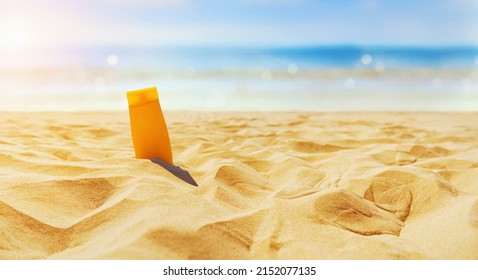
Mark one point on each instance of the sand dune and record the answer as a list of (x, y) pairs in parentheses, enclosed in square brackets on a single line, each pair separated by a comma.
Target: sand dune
[(271, 186)]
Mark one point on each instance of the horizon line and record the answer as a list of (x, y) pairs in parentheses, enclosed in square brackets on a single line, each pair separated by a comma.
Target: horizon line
[(266, 46)]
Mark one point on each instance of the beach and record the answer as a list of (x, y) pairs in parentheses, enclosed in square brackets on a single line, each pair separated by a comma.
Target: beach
[(272, 185)]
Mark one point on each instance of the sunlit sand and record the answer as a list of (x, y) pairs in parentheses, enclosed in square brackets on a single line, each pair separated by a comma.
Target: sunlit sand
[(271, 186)]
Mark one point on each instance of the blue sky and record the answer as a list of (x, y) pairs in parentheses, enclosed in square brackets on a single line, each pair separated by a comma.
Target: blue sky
[(239, 22)]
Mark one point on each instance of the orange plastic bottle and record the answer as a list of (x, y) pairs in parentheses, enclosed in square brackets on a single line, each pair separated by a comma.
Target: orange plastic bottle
[(148, 128)]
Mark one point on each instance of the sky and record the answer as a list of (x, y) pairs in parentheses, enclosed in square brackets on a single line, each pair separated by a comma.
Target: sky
[(29, 23)]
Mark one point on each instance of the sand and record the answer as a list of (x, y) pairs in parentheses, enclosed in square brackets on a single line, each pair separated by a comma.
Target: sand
[(271, 186)]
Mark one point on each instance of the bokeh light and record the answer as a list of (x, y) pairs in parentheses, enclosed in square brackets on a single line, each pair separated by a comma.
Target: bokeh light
[(112, 59), (366, 59)]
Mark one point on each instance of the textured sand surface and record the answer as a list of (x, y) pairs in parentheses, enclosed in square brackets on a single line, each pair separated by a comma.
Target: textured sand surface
[(271, 186)]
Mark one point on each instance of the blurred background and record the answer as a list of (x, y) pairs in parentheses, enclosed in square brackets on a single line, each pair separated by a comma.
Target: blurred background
[(295, 55)]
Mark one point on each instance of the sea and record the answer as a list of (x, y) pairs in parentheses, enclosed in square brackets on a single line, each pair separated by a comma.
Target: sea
[(306, 78)]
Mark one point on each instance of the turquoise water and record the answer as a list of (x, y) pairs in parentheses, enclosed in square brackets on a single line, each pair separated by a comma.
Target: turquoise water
[(255, 58), (332, 78)]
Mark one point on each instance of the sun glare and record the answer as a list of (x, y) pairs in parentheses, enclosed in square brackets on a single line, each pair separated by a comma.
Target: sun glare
[(15, 35)]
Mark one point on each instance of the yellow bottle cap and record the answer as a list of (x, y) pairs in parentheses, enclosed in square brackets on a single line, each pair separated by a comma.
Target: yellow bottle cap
[(142, 96)]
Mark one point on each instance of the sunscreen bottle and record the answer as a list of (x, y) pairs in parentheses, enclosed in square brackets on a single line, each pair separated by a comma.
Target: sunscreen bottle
[(148, 128)]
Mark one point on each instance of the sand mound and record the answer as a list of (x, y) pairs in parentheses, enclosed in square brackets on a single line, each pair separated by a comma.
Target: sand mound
[(271, 186)]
